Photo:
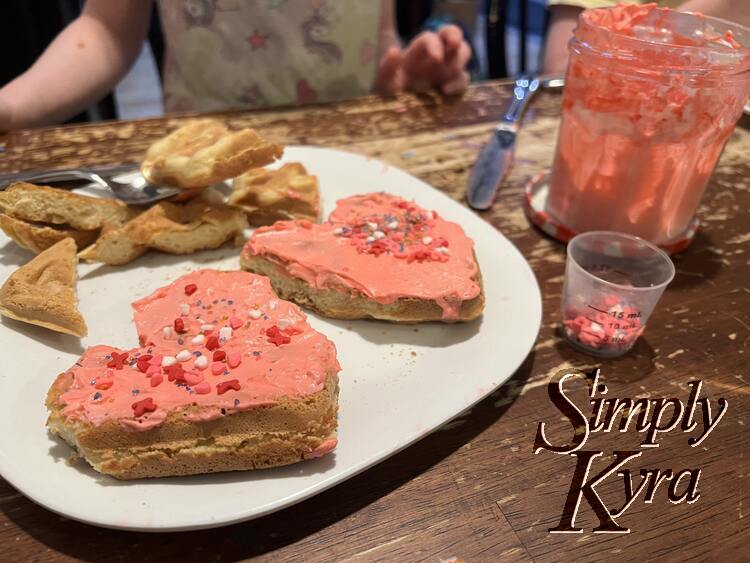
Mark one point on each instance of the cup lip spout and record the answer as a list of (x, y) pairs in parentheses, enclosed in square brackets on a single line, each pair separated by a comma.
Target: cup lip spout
[(629, 238)]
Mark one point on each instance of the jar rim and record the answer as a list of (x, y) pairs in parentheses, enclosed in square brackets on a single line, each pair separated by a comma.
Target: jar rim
[(585, 18)]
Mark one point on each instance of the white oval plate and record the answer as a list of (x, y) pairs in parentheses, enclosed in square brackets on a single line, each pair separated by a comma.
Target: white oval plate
[(398, 383)]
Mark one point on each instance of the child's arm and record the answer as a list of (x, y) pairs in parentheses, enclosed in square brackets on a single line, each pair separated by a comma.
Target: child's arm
[(431, 60), (82, 64)]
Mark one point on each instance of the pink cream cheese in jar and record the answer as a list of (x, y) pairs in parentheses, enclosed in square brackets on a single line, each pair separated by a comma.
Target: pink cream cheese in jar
[(651, 97)]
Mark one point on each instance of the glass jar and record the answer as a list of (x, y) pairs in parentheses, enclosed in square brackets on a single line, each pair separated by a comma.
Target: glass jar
[(651, 97)]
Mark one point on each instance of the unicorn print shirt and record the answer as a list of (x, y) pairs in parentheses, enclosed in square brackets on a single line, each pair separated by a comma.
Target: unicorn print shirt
[(258, 53)]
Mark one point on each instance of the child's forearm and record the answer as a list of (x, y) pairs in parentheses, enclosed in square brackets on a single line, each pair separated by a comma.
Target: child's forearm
[(79, 67)]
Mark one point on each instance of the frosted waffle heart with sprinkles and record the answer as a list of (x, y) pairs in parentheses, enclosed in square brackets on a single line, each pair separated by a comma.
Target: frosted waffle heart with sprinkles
[(377, 247), (212, 343)]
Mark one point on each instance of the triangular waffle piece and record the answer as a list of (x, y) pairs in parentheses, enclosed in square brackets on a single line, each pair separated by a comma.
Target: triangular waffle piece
[(38, 237), (271, 195), (43, 204), (169, 227), (205, 152), (43, 291)]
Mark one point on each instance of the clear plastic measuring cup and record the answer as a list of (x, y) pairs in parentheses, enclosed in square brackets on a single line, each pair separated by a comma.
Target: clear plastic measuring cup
[(612, 284)]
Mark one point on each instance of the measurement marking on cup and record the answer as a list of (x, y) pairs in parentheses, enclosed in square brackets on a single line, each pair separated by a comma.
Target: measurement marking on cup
[(600, 310)]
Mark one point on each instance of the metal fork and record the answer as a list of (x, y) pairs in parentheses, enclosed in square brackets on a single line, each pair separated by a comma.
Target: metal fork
[(124, 182)]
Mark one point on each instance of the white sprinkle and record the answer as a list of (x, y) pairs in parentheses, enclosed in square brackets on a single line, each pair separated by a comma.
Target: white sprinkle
[(429, 215), (427, 240), (442, 250), (284, 323), (167, 332), (198, 340), (373, 226), (225, 333), (393, 225), (183, 356), (370, 239), (207, 328), (272, 305), (167, 361), (338, 230), (184, 309), (596, 327), (254, 314), (201, 362), (378, 234)]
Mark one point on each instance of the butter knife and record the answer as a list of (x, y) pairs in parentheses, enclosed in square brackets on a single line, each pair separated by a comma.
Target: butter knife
[(496, 158)]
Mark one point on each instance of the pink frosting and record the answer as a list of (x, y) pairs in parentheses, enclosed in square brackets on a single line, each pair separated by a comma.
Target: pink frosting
[(380, 246), (267, 372)]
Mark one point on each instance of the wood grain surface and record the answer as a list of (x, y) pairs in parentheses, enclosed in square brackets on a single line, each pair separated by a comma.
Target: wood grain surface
[(474, 489)]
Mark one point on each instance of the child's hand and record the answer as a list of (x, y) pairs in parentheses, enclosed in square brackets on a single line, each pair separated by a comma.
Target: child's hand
[(431, 60)]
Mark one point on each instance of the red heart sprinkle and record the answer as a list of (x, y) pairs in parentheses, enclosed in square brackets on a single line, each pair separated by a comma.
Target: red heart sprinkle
[(103, 385), (190, 289), (156, 379), (212, 343), (143, 406), (219, 355), (179, 325)]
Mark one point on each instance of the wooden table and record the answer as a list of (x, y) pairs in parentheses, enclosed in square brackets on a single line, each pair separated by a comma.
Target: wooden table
[(474, 489)]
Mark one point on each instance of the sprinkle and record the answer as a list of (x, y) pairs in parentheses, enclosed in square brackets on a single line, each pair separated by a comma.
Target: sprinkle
[(275, 336), (168, 361), (207, 328), (338, 231), (272, 305), (117, 360), (234, 359), (175, 373), (212, 343), (225, 333), (193, 378), (393, 225), (179, 325), (203, 388), (184, 309), (236, 402), (97, 396), (427, 241), (219, 355), (254, 314), (143, 406), (378, 234), (198, 340), (370, 239), (201, 362), (217, 368), (156, 379), (442, 250), (235, 322), (167, 332), (152, 371), (135, 392), (143, 365), (104, 384), (225, 386), (183, 356), (156, 360), (190, 289)]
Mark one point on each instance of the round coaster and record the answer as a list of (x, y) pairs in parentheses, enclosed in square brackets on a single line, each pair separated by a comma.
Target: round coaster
[(535, 206)]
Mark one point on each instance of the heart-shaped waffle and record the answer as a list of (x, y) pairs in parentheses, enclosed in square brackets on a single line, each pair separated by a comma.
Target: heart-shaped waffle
[(227, 377), (377, 256)]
